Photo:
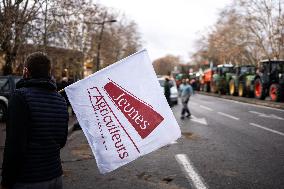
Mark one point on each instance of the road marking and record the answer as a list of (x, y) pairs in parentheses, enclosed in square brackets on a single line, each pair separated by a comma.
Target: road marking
[(193, 103), (188, 169), (227, 115), (272, 116), (199, 120), (206, 108), (267, 129), (255, 112)]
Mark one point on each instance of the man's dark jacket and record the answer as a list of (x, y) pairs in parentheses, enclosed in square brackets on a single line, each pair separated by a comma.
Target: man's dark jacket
[(37, 126), (167, 91)]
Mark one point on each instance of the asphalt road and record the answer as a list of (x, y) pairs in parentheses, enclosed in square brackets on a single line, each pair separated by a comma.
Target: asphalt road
[(242, 145), (226, 144)]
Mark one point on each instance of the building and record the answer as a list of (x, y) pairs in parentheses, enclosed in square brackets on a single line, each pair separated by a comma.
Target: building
[(65, 62)]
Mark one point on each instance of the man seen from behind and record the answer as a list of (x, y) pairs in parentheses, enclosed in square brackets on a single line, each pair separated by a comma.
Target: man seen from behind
[(37, 126)]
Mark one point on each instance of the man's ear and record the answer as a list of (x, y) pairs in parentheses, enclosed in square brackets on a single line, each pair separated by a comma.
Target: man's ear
[(25, 72)]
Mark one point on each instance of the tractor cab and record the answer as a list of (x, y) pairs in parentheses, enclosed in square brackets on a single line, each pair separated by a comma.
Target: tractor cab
[(244, 70), (223, 69), (247, 70), (272, 71), (270, 80)]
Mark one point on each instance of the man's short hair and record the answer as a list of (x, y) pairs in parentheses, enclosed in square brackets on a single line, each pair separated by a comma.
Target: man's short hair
[(38, 64)]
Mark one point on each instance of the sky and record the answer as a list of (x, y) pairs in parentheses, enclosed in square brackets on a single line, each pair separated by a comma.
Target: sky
[(169, 26)]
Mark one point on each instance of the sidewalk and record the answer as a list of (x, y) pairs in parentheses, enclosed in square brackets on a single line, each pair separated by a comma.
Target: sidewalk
[(72, 121)]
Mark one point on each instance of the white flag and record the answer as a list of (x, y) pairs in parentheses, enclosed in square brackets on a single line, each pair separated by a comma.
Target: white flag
[(123, 112)]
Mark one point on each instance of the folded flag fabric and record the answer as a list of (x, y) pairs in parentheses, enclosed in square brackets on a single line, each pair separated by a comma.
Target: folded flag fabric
[(123, 112)]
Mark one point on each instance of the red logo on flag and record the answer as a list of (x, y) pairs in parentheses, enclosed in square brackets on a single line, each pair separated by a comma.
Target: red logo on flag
[(141, 115)]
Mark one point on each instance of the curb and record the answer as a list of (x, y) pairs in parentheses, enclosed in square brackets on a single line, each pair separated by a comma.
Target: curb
[(267, 103), (72, 121)]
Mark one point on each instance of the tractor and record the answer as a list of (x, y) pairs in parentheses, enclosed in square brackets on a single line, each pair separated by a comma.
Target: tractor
[(220, 78), (242, 81), (269, 80)]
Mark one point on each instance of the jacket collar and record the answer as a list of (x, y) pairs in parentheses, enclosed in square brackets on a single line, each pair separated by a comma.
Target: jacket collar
[(46, 83)]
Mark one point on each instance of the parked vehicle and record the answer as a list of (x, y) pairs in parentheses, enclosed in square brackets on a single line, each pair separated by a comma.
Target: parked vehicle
[(3, 107), (7, 86), (174, 90), (269, 80), (221, 78), (242, 81)]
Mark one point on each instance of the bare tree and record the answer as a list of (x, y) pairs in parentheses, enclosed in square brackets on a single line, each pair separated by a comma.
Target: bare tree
[(245, 32), (61, 24), (264, 21), (14, 16), (70, 24), (121, 40), (164, 65)]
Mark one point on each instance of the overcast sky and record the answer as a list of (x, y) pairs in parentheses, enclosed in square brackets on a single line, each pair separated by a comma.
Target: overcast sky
[(169, 26)]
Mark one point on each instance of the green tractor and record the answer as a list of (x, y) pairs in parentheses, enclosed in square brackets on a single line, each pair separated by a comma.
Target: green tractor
[(242, 81), (269, 80), (221, 76)]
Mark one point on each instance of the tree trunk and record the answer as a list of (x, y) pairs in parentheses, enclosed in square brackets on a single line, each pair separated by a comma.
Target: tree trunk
[(9, 60)]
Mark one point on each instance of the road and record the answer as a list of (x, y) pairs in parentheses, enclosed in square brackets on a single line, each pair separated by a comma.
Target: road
[(240, 147), (227, 144)]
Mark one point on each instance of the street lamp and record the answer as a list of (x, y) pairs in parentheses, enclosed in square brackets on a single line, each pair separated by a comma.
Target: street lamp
[(100, 41)]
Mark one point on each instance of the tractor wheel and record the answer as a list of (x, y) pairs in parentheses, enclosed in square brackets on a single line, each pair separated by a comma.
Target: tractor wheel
[(213, 87), (241, 90), (232, 87), (259, 91), (201, 87), (275, 92), (249, 89), (207, 87), (250, 93)]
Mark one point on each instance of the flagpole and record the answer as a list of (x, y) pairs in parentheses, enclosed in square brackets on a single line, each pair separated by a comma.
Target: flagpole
[(60, 91)]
